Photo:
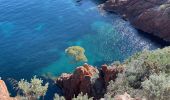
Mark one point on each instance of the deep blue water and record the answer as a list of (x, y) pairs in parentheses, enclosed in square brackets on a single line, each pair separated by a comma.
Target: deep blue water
[(35, 33)]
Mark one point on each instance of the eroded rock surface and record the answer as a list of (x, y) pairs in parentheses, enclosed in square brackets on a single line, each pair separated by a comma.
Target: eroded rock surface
[(4, 94), (151, 16), (88, 79)]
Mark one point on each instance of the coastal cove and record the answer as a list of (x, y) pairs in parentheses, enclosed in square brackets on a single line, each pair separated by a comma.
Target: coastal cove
[(34, 35)]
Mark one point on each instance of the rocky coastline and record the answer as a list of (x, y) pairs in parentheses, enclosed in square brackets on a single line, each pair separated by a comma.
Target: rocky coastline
[(118, 78), (85, 79), (4, 94), (134, 79), (151, 16), (88, 79)]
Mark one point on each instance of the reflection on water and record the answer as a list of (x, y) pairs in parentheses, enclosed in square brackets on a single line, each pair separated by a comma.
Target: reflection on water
[(34, 35)]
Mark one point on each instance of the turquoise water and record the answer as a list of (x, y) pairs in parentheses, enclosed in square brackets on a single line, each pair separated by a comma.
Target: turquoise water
[(35, 33)]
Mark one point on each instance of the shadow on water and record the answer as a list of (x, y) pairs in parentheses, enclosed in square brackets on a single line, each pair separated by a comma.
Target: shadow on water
[(79, 2), (52, 89), (154, 39)]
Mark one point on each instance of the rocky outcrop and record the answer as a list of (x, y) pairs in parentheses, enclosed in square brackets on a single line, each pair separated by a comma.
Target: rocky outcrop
[(88, 79), (151, 16), (4, 94), (110, 73)]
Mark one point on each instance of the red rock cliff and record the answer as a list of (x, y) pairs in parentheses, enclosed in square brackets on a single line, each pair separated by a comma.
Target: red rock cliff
[(4, 94), (87, 79), (151, 16)]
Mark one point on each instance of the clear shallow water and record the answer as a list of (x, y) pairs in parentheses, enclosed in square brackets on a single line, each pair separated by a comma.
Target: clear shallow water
[(35, 33)]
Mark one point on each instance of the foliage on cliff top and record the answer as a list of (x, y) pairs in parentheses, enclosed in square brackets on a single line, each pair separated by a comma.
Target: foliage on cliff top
[(162, 56), (77, 53), (157, 87), (148, 73), (80, 96), (33, 89), (57, 97), (149, 61)]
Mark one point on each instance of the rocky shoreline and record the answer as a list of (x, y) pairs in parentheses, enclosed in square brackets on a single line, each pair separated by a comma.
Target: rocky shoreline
[(85, 79), (113, 80), (151, 16), (137, 77), (4, 94), (88, 79)]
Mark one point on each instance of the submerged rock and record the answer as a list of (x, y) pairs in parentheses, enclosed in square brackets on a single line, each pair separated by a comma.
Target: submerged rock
[(151, 16), (87, 79)]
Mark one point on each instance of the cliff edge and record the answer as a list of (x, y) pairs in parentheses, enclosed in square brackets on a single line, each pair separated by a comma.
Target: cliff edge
[(151, 16), (4, 94), (88, 79)]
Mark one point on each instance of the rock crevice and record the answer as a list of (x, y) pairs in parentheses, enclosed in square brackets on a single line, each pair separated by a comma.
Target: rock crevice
[(88, 79)]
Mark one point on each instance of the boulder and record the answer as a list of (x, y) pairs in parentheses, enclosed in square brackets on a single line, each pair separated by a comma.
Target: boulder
[(4, 94)]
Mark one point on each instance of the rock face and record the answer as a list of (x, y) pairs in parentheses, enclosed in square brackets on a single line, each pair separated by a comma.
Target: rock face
[(110, 73), (87, 79), (4, 94), (151, 16)]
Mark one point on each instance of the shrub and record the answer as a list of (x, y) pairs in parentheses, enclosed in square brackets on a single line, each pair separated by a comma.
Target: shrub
[(157, 87), (120, 86), (145, 63), (82, 97), (139, 67), (57, 97), (79, 97), (34, 89)]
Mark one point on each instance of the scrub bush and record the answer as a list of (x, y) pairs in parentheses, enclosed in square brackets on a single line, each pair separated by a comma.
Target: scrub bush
[(82, 97), (79, 97), (34, 89), (57, 97), (120, 86), (145, 63), (157, 87), (147, 75)]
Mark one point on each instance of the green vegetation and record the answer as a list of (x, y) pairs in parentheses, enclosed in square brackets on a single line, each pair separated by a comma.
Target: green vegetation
[(82, 97), (143, 64), (34, 89), (157, 87), (119, 86), (79, 97), (77, 53), (57, 97), (147, 75)]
